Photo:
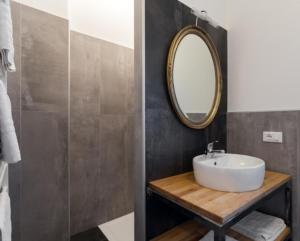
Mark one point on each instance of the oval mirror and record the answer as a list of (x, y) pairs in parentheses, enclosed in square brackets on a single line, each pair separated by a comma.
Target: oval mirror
[(194, 77)]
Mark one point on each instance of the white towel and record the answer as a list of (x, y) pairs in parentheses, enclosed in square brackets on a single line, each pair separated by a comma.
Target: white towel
[(210, 237), (260, 227), (5, 215), (6, 38), (9, 142)]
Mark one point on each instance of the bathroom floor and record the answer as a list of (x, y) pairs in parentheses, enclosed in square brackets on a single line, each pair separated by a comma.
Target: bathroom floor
[(120, 229), (94, 234)]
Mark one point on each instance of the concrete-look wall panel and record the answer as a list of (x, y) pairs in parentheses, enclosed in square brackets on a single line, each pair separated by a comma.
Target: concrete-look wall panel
[(245, 136), (102, 135), (39, 186)]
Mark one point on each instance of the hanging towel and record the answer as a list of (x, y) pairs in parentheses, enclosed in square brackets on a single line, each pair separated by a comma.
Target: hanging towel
[(6, 39), (9, 142), (260, 227), (5, 215), (210, 237)]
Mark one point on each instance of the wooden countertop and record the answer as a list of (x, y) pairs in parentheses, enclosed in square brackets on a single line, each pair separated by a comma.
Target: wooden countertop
[(214, 205)]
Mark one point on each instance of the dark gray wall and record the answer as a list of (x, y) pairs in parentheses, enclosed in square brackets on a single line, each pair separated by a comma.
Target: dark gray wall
[(245, 131), (102, 107), (39, 94), (170, 146)]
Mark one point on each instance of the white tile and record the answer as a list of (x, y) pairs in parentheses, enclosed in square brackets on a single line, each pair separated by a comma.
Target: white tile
[(120, 229)]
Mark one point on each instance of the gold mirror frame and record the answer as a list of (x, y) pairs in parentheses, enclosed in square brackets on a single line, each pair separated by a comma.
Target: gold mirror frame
[(218, 76)]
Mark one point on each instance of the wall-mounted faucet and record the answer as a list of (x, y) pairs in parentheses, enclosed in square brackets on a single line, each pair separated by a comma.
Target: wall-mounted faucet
[(210, 151)]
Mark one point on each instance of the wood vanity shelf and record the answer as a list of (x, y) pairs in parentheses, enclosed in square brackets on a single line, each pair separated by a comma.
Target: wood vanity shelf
[(215, 210)]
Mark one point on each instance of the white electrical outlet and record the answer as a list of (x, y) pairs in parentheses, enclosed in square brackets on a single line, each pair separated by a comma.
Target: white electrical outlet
[(274, 137)]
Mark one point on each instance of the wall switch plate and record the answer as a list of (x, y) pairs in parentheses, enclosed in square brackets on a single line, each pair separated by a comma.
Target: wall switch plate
[(274, 137)]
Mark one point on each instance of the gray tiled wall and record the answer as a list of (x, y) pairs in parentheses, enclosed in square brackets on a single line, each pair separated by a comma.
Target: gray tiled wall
[(245, 137), (102, 111), (102, 122), (39, 94)]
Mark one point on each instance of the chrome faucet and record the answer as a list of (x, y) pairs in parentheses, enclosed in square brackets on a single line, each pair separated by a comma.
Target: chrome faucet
[(210, 152)]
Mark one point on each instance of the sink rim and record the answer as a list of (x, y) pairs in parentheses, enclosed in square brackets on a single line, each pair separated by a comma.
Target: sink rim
[(204, 162)]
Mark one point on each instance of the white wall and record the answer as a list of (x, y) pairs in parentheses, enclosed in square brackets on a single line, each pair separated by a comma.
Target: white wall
[(263, 52), (264, 59), (108, 20), (217, 9), (55, 7), (111, 20)]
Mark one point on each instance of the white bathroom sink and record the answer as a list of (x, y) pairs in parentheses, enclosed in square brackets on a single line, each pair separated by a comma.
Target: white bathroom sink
[(229, 172)]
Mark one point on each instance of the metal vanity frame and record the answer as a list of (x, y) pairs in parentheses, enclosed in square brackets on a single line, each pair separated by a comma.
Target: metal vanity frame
[(221, 229)]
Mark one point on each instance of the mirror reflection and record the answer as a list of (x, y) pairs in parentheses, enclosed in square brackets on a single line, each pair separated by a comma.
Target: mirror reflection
[(194, 77)]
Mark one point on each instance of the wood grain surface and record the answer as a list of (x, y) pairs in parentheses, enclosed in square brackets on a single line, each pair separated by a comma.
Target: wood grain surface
[(214, 205)]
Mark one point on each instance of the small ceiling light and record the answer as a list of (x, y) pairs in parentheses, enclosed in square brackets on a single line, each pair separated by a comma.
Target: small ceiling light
[(204, 16)]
